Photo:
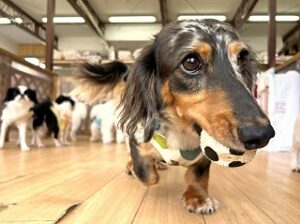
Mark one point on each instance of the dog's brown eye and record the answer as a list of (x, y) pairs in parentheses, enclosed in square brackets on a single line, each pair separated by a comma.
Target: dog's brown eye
[(191, 64)]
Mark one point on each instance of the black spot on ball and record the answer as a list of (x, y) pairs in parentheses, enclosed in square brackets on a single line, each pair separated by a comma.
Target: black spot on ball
[(211, 154), (236, 164), (236, 152)]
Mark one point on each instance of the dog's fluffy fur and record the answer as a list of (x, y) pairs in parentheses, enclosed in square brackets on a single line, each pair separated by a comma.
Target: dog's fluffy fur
[(57, 116), (104, 119), (295, 165), (17, 104), (195, 75)]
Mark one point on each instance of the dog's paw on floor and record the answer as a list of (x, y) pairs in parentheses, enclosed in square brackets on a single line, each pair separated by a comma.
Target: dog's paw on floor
[(200, 206), (296, 169)]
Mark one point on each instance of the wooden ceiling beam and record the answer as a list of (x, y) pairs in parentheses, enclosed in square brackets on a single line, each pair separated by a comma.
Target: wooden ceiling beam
[(243, 12), (272, 34), (85, 10), (11, 11), (163, 11)]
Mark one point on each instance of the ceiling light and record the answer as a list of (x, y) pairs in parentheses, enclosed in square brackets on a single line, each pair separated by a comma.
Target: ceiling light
[(132, 19), (18, 20), (199, 17), (278, 18), (4, 20), (65, 19)]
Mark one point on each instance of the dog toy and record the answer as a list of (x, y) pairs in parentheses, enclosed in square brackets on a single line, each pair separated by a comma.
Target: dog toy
[(222, 155)]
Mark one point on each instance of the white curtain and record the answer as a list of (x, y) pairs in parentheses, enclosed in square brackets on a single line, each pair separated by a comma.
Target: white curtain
[(283, 107)]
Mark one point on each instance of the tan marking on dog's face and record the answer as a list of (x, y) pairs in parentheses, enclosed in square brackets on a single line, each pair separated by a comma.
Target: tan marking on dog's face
[(166, 94), (205, 51), (234, 48), (210, 109)]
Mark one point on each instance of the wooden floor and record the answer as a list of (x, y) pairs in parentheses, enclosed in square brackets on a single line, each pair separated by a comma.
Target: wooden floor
[(86, 184)]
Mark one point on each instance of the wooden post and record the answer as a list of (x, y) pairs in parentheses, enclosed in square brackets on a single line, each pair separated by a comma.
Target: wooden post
[(50, 34), (272, 34)]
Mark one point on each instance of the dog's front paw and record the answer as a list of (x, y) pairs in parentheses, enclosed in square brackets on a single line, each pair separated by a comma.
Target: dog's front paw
[(25, 148), (41, 145), (199, 205), (296, 168), (66, 143), (57, 143), (107, 141)]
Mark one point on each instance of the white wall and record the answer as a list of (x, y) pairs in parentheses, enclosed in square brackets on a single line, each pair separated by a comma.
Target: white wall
[(260, 43), (133, 32), (8, 44), (82, 44)]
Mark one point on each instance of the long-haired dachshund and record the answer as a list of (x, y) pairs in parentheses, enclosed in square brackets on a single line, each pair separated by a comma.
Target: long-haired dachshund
[(195, 75)]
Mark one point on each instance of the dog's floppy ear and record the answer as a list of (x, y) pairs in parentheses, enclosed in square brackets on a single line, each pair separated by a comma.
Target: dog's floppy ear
[(10, 94), (141, 100)]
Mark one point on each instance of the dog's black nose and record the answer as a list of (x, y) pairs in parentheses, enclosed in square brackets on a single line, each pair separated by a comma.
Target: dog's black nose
[(255, 136)]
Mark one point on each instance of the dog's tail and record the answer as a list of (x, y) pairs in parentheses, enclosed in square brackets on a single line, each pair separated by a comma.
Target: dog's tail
[(96, 81)]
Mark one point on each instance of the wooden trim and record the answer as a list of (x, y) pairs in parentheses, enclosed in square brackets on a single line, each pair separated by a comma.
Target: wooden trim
[(22, 61), (288, 62), (272, 34), (163, 11), (243, 12), (99, 27), (11, 10), (50, 34)]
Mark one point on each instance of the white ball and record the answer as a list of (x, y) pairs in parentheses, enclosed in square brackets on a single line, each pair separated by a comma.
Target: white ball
[(222, 155)]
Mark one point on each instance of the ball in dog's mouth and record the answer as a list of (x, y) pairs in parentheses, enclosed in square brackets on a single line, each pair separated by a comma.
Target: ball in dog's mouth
[(222, 155)]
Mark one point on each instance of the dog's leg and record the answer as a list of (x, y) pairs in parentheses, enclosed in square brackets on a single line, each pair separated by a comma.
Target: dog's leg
[(143, 162), (56, 135), (3, 132), (66, 133), (37, 136), (95, 132), (107, 132), (119, 136), (295, 164), (22, 136), (33, 139), (196, 197), (75, 127)]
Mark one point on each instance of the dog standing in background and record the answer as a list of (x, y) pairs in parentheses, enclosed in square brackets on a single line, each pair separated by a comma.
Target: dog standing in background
[(17, 104), (104, 123), (57, 116)]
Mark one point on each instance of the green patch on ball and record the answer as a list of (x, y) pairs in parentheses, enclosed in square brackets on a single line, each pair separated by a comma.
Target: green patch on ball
[(222, 155)]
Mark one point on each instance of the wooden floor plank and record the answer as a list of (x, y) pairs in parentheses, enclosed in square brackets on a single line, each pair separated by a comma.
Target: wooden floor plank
[(52, 203), (235, 207), (164, 201), (279, 205), (117, 202), (38, 187)]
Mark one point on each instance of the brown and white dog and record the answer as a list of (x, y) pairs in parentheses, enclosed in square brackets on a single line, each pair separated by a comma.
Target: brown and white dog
[(195, 75)]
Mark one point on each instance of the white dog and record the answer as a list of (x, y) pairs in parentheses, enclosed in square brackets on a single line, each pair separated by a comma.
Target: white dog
[(296, 147), (79, 114), (17, 104), (104, 119)]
